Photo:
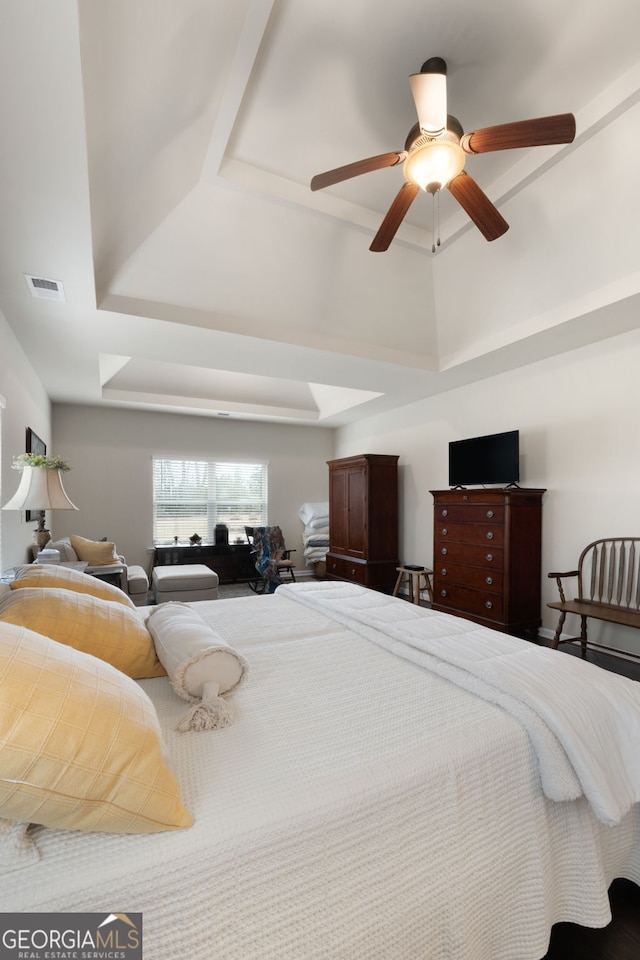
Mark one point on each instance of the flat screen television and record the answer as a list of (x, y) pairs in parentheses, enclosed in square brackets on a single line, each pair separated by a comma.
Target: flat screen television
[(480, 460)]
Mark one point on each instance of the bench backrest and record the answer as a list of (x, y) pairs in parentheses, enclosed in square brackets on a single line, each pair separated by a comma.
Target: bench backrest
[(609, 572)]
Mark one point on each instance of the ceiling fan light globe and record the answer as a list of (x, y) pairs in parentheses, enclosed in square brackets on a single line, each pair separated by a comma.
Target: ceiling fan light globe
[(433, 164)]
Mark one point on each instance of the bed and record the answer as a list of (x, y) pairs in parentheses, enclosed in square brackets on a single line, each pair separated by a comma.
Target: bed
[(373, 799)]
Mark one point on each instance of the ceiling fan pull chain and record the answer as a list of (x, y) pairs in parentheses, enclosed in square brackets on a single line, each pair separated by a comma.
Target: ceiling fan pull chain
[(435, 222)]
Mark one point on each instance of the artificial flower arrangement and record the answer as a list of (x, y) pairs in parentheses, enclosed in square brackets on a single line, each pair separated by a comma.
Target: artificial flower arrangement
[(39, 460)]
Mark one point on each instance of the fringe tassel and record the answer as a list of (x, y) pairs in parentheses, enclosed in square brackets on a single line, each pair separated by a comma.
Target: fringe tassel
[(210, 713)]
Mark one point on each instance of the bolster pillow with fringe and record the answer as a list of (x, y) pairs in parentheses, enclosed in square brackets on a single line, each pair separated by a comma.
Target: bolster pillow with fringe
[(202, 667)]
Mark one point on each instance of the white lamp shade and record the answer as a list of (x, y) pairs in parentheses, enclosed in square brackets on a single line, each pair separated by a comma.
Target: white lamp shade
[(40, 489)]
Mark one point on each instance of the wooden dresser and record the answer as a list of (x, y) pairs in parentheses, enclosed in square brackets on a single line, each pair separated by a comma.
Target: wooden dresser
[(363, 520), (486, 556)]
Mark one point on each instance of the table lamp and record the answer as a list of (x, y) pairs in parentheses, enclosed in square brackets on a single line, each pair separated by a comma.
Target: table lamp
[(40, 489)]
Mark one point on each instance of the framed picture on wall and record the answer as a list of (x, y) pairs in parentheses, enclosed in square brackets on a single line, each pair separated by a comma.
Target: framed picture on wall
[(34, 445)]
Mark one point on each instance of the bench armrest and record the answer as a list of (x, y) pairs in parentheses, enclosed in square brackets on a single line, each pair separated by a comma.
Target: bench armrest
[(558, 577)]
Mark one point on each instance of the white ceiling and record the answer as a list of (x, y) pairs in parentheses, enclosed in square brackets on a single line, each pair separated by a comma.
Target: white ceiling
[(156, 160)]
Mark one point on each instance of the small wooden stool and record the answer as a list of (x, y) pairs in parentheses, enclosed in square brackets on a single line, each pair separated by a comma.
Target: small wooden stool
[(413, 575)]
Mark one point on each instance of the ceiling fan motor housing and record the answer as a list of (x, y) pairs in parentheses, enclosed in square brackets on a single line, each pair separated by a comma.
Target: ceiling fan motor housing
[(434, 65)]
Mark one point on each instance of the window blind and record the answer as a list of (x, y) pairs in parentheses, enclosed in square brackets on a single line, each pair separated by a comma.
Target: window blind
[(192, 496)]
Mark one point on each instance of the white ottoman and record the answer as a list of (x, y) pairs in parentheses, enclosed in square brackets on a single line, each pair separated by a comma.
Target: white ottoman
[(184, 582)]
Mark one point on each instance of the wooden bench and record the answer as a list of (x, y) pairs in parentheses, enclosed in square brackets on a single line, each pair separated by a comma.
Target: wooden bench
[(608, 588)]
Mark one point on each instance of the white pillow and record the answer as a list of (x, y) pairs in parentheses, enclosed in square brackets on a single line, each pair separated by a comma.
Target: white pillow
[(66, 551), (200, 664)]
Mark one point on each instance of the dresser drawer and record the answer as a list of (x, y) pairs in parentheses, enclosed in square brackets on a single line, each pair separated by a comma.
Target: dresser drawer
[(346, 569), (469, 532), (335, 566), (478, 603), (469, 513), (355, 572), (477, 555), (480, 579)]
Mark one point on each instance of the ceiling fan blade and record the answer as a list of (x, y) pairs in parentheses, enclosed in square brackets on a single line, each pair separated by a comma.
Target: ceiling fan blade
[(429, 89), (482, 211), (322, 180), (394, 217), (560, 128)]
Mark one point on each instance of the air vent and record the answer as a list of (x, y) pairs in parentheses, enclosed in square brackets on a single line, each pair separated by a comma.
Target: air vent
[(43, 289)]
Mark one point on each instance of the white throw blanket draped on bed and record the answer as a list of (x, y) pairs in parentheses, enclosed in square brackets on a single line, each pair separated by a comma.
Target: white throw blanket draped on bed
[(584, 723)]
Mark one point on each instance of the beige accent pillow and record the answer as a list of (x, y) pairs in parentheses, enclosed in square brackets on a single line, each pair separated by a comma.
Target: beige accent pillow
[(97, 553), (110, 631), (51, 575), (80, 743)]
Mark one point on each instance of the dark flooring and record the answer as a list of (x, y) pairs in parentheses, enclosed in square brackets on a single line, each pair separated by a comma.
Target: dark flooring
[(620, 940)]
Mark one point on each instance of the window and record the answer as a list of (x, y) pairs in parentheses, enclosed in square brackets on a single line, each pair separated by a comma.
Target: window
[(192, 496)]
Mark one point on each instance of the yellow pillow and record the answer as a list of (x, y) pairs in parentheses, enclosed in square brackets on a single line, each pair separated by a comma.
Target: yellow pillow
[(106, 630), (97, 553), (51, 575), (80, 743)]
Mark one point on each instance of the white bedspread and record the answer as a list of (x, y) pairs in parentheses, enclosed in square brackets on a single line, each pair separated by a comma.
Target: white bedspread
[(360, 808), (584, 723)]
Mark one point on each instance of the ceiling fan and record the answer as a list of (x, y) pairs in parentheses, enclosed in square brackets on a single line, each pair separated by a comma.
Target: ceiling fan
[(435, 152)]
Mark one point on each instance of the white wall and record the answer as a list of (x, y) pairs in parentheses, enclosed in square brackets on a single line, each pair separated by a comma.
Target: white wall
[(578, 420), (110, 453), (27, 405)]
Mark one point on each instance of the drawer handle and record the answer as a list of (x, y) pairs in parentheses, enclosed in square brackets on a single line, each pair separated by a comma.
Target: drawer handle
[(490, 514), (488, 604), (489, 535), (444, 571), (443, 593), (444, 551), (489, 580), (444, 532), (445, 513), (353, 572), (489, 557)]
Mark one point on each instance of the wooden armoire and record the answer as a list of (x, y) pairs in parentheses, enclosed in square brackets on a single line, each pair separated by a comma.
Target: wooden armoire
[(363, 520)]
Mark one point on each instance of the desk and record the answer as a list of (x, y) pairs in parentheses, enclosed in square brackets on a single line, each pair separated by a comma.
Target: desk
[(233, 561)]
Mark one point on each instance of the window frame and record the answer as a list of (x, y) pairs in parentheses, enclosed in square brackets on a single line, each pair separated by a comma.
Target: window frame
[(205, 498)]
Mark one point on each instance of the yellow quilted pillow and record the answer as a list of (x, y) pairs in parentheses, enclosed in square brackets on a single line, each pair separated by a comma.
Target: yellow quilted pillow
[(80, 743), (97, 553), (106, 630), (51, 575)]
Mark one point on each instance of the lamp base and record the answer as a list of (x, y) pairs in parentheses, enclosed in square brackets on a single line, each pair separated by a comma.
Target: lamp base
[(41, 538)]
